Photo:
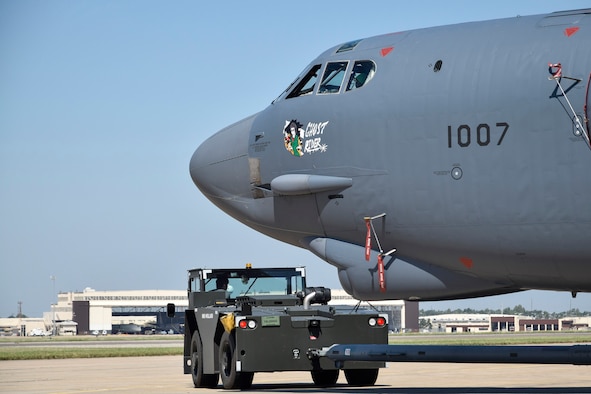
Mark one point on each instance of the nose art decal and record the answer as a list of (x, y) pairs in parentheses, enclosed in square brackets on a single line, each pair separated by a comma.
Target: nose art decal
[(299, 141)]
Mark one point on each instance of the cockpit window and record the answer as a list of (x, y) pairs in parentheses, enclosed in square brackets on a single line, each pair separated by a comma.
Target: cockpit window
[(348, 46), (335, 73), (362, 72), (333, 77), (307, 84)]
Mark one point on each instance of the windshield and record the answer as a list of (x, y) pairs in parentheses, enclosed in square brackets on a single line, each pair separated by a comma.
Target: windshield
[(307, 84), (333, 77), (335, 73), (256, 282)]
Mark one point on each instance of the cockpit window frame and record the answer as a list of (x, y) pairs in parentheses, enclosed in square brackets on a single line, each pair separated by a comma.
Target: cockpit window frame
[(301, 88), (332, 70), (355, 82), (318, 75)]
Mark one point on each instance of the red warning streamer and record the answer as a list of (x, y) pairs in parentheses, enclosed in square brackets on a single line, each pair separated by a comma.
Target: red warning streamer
[(368, 240), (381, 275)]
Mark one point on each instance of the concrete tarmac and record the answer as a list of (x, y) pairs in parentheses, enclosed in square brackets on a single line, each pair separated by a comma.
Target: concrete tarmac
[(165, 375)]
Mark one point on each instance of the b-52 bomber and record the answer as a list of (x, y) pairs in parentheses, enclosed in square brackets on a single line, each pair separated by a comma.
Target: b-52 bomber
[(440, 163)]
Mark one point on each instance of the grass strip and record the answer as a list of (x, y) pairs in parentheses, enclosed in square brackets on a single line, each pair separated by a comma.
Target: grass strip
[(33, 353), (90, 338), (58, 352)]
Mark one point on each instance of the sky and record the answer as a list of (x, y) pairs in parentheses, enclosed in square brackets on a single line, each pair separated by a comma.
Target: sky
[(102, 104)]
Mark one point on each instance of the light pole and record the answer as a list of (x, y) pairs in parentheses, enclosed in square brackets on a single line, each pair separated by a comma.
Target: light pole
[(53, 328)]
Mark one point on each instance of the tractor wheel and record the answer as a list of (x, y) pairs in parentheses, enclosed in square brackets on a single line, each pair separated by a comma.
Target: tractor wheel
[(232, 379), (325, 377), (200, 379), (361, 377)]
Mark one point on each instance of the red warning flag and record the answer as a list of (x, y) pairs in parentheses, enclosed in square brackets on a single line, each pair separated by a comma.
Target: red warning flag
[(381, 275), (368, 239)]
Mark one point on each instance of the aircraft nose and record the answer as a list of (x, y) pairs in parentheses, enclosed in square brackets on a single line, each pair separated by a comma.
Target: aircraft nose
[(219, 166)]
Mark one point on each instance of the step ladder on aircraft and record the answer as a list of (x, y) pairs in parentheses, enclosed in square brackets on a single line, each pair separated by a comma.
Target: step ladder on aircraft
[(555, 70)]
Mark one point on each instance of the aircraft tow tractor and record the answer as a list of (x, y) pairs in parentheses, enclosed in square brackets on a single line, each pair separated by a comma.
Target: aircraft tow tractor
[(247, 320)]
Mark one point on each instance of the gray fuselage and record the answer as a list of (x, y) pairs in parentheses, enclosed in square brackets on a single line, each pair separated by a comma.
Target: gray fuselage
[(458, 135)]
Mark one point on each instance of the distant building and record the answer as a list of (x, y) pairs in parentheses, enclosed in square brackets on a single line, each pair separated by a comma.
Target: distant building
[(503, 323), (100, 311), (459, 323), (24, 326)]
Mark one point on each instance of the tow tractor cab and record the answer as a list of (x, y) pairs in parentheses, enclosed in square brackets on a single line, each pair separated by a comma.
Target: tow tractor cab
[(247, 320)]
